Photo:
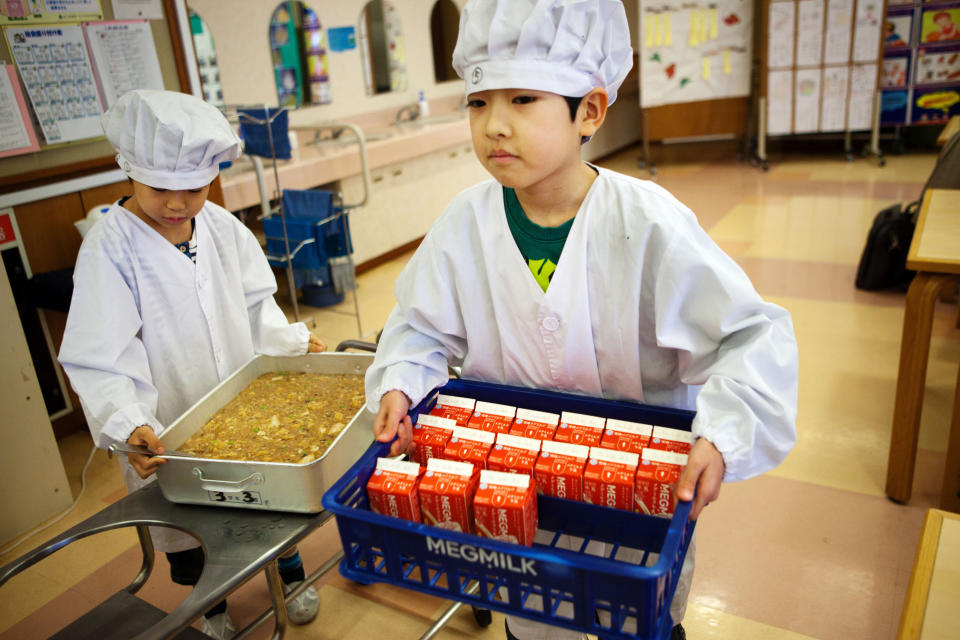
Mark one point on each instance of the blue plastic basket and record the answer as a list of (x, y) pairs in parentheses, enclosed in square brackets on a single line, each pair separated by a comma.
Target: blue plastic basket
[(607, 596)]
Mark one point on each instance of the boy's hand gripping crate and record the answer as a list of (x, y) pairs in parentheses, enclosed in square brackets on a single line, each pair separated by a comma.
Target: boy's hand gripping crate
[(548, 582)]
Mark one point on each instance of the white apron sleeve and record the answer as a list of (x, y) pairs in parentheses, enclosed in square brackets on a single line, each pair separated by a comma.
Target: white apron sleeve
[(103, 356), (741, 349), (272, 334), (425, 330)]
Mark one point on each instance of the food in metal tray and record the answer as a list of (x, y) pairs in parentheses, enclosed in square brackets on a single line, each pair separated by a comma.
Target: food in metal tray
[(280, 417)]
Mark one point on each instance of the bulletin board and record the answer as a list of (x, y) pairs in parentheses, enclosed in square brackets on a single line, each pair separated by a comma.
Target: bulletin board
[(64, 63), (920, 77), (695, 67), (819, 65)]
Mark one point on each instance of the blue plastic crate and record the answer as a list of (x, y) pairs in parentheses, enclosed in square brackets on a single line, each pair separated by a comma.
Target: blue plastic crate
[(471, 569)]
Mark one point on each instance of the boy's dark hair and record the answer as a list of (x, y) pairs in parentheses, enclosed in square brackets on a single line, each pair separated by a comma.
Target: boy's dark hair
[(573, 104)]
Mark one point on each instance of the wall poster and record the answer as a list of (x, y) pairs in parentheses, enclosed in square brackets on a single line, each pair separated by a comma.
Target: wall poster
[(53, 62), (694, 51), (124, 56), (13, 12)]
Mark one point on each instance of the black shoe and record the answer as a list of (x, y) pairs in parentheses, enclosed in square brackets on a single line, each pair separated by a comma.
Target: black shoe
[(678, 633)]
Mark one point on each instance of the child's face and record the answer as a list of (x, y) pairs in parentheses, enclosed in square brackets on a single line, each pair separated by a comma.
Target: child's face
[(524, 137), (166, 210)]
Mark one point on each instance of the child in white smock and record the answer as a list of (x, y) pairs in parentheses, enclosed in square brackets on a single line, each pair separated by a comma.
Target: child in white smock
[(172, 294), (557, 274)]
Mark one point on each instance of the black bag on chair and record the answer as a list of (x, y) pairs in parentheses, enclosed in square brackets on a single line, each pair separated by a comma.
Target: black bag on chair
[(883, 264)]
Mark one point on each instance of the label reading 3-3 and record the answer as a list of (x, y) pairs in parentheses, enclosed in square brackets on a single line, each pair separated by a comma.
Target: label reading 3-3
[(243, 497)]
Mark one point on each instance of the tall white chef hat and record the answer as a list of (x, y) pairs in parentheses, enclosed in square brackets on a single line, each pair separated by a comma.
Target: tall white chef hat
[(561, 46), (169, 140)]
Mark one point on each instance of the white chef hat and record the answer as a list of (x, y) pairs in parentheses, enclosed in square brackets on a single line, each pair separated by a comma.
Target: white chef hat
[(567, 47), (169, 140)]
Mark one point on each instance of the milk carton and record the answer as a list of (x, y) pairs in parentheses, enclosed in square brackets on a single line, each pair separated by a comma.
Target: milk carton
[(577, 428), (668, 439), (492, 417), (608, 479), (535, 424), (622, 435), (469, 445), (657, 476), (505, 507), (513, 454), (430, 436), (454, 407), (559, 469), (393, 487), (446, 494)]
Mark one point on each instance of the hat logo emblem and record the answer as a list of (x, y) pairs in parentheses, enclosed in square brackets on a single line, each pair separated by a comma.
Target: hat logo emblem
[(477, 75), (126, 166)]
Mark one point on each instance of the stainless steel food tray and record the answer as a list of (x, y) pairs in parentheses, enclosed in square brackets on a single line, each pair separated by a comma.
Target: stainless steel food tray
[(276, 486)]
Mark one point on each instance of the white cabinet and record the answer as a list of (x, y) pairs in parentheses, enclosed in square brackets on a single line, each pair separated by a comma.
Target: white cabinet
[(407, 197)]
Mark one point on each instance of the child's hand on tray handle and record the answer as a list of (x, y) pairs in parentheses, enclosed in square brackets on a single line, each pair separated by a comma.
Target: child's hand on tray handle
[(316, 345), (392, 421), (703, 473), (145, 466)]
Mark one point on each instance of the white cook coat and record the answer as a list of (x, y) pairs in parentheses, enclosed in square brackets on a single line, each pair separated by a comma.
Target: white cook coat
[(643, 307), (149, 332)]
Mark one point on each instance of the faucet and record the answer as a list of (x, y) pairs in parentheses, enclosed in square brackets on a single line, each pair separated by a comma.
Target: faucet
[(411, 111)]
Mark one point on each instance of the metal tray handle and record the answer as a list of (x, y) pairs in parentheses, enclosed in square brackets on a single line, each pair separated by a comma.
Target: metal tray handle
[(230, 486)]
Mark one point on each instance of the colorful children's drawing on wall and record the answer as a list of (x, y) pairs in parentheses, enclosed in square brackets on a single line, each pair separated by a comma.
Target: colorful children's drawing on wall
[(894, 73), (933, 66), (893, 107), (892, 30), (940, 25), (935, 106)]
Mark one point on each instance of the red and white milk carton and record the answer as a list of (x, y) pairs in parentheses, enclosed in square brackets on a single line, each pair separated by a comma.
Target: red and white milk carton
[(608, 479), (622, 435), (668, 439), (657, 477), (430, 437), (454, 407), (513, 454), (505, 507), (535, 424), (577, 428), (470, 445), (446, 494), (492, 417), (559, 469), (393, 487)]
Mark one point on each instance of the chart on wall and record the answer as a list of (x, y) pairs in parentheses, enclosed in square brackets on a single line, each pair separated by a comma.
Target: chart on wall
[(694, 51), (53, 63), (124, 56), (921, 63)]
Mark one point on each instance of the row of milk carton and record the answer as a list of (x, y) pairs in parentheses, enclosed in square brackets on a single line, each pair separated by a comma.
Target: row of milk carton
[(456, 496), (613, 463)]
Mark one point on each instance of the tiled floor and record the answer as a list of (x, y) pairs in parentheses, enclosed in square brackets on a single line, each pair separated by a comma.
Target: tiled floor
[(811, 550)]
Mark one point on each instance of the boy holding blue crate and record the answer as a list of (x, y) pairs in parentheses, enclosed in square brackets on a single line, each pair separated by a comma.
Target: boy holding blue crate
[(561, 275)]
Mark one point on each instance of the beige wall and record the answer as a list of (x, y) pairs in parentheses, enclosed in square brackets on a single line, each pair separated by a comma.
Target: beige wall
[(36, 486), (239, 30)]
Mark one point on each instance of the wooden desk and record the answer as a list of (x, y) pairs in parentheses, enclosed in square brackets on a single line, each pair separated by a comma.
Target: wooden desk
[(952, 127), (929, 612), (935, 255)]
